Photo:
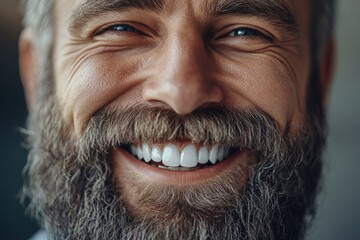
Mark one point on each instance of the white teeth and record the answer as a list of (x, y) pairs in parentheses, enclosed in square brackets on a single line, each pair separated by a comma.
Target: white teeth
[(146, 152), (213, 153), (203, 156), (156, 154), (133, 150), (188, 157), (139, 153), (186, 160), (171, 156)]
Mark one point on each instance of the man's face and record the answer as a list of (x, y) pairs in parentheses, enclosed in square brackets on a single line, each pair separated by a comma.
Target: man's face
[(181, 68), (180, 55)]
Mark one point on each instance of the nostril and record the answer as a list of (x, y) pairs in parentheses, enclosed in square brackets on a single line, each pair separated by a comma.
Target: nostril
[(183, 98)]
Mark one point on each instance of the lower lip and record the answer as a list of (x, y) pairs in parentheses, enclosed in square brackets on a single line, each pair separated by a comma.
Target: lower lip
[(123, 159)]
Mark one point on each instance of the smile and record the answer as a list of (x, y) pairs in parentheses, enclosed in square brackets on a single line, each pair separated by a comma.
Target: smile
[(180, 157), (177, 163)]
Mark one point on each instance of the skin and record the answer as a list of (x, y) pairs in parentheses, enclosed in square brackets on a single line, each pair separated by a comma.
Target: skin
[(181, 58), (172, 68)]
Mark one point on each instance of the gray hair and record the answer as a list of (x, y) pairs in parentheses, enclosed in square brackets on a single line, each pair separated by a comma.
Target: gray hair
[(38, 16)]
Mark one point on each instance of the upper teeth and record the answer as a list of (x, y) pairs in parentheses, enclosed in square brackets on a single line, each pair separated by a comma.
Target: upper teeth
[(188, 157)]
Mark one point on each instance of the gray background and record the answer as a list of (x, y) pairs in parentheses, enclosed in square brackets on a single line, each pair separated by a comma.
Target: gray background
[(339, 204), (339, 211)]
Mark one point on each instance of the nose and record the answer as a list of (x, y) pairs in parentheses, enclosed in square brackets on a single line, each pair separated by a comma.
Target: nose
[(183, 78)]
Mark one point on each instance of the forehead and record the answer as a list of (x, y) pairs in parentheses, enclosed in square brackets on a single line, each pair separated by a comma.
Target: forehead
[(171, 5)]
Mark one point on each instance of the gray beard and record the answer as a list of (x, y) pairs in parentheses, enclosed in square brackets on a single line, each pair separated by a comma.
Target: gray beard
[(73, 195)]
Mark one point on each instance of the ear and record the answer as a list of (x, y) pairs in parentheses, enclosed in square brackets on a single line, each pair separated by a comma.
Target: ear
[(28, 66), (327, 67)]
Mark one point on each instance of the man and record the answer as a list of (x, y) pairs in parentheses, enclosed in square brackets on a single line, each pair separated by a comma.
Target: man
[(160, 119)]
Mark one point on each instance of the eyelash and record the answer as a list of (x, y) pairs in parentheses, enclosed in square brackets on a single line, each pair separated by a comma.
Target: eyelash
[(253, 33), (125, 27), (245, 31), (118, 28)]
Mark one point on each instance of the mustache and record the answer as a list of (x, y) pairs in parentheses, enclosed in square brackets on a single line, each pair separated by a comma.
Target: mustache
[(236, 128)]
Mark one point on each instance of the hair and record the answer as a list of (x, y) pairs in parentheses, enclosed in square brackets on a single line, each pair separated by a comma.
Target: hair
[(38, 16)]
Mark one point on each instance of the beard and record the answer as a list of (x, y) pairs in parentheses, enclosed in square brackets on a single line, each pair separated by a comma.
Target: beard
[(74, 194)]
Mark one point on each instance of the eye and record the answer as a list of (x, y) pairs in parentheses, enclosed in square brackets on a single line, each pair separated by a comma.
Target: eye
[(244, 32), (123, 28), (118, 29), (249, 33)]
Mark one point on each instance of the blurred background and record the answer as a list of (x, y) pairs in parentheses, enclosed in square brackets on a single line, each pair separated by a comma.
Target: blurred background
[(339, 203)]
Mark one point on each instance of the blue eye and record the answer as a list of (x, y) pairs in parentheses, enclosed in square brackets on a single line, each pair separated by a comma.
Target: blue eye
[(251, 33), (123, 28), (244, 32)]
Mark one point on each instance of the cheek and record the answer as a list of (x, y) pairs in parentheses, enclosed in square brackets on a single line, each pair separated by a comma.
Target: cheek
[(97, 82), (268, 82)]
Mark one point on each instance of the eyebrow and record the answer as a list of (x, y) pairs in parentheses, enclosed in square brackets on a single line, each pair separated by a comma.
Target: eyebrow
[(275, 11), (94, 8)]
